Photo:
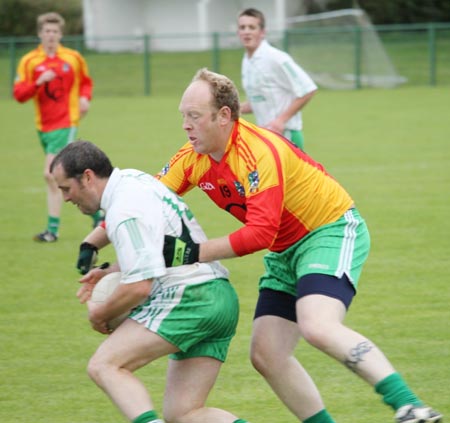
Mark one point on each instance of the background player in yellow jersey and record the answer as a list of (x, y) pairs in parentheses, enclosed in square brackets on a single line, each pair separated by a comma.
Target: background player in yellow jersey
[(58, 81), (316, 238)]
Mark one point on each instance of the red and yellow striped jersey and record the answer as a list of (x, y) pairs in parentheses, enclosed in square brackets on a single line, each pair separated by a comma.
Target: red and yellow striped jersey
[(56, 102), (279, 192)]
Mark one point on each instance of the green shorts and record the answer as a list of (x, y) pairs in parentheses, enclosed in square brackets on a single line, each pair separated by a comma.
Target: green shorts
[(295, 137), (54, 141), (199, 319), (335, 249)]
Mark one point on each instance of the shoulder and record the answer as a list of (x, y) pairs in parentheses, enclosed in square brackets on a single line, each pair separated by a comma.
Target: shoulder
[(31, 55), (70, 54), (255, 144)]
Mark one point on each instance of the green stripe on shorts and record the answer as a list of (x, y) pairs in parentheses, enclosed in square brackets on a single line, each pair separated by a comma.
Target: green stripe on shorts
[(335, 249)]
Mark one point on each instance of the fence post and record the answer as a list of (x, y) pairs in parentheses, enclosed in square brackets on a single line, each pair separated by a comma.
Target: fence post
[(286, 40), (432, 52), (358, 51), (147, 85), (12, 62), (216, 52)]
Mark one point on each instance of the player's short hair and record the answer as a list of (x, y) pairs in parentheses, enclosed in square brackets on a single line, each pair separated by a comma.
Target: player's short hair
[(50, 17), (223, 90), (80, 155), (255, 13)]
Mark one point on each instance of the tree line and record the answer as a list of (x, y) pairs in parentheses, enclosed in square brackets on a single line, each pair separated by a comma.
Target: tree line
[(18, 17)]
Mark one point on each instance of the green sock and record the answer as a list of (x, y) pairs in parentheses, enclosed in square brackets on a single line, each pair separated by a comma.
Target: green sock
[(53, 224), (240, 421), (147, 417), (321, 417), (396, 392)]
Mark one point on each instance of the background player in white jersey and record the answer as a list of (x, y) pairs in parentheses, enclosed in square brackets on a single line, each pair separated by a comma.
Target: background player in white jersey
[(276, 87), (140, 211)]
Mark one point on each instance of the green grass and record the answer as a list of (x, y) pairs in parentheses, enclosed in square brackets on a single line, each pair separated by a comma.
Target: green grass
[(389, 148)]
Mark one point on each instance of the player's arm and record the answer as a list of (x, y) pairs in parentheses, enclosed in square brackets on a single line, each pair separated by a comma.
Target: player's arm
[(24, 88), (216, 249), (258, 233), (86, 86), (88, 251), (123, 299), (279, 123)]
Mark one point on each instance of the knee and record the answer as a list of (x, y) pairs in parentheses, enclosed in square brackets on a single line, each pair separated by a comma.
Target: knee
[(316, 333), (264, 358), (94, 370), (49, 177)]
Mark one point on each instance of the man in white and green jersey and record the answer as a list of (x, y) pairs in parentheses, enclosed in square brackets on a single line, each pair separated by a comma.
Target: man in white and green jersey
[(277, 88), (189, 313)]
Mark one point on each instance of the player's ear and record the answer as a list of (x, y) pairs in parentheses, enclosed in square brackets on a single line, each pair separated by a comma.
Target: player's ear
[(224, 115), (88, 175)]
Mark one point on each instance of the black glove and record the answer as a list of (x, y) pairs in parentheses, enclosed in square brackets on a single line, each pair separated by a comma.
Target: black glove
[(182, 250), (86, 257)]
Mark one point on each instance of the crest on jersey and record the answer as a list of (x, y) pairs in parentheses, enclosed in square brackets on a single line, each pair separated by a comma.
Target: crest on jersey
[(239, 188), (164, 170), (253, 178), (66, 67)]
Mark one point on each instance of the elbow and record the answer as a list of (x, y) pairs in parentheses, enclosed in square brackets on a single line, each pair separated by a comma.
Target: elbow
[(20, 99)]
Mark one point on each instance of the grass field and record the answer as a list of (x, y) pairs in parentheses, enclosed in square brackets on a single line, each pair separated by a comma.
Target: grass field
[(390, 149)]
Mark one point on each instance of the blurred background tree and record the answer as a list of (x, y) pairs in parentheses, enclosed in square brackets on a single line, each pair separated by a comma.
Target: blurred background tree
[(18, 17), (387, 11)]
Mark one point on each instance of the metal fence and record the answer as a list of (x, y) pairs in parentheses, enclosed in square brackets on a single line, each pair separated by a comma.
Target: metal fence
[(164, 65)]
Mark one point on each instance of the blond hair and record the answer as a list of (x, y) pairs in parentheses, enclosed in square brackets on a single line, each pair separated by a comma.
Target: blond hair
[(50, 17)]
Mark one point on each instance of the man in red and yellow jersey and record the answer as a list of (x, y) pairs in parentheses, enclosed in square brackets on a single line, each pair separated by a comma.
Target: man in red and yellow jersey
[(317, 241), (58, 81)]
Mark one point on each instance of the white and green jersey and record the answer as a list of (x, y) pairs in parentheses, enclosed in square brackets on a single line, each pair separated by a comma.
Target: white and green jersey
[(272, 80), (140, 211)]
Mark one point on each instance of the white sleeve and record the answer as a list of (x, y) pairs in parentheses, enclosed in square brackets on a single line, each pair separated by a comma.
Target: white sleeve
[(136, 229), (294, 78), (139, 250)]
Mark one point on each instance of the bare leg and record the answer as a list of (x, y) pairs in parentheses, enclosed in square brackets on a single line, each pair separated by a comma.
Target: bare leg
[(189, 383), (272, 354), (127, 349), (320, 321), (54, 196)]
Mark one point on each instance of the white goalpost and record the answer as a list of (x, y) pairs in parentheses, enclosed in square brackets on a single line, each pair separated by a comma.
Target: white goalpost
[(341, 50)]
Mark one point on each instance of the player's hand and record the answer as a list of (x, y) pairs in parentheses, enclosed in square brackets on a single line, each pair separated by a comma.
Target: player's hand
[(276, 125), (86, 257), (88, 282), (84, 105), (46, 76), (180, 250)]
